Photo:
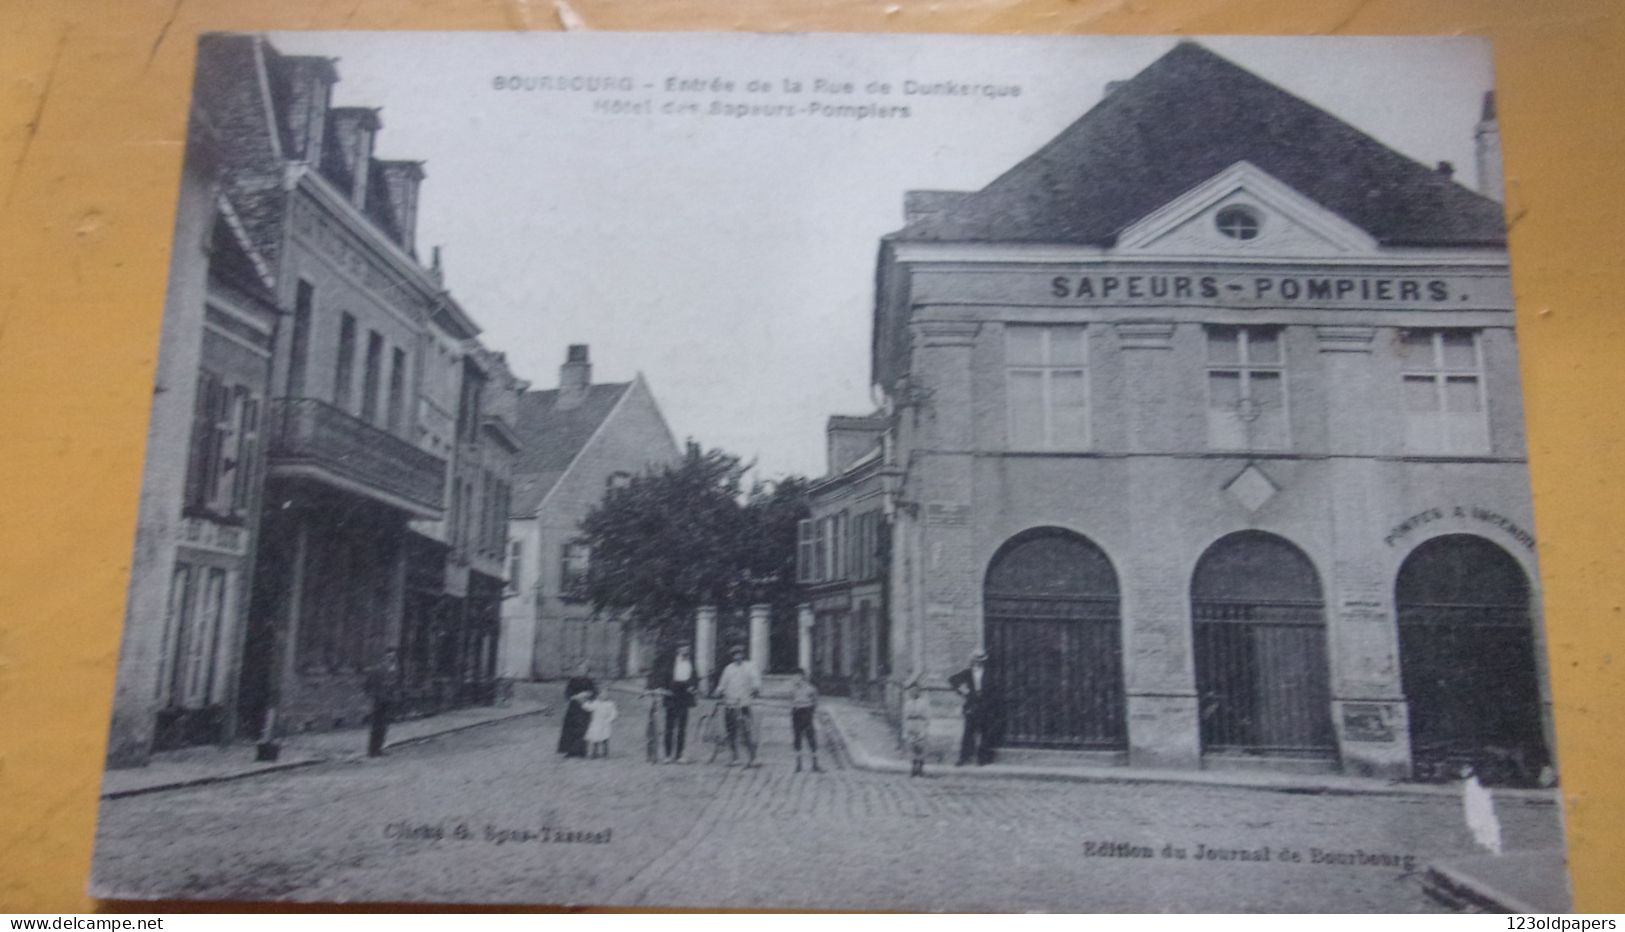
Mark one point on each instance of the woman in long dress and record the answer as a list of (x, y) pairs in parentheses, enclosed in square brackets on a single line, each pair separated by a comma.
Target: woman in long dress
[(577, 692)]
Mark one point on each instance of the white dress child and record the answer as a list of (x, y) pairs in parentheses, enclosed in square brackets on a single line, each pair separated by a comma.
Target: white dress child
[(604, 714)]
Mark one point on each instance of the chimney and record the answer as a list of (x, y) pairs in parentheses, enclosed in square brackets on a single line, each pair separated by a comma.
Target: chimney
[(309, 80), (1487, 150), (401, 181), (847, 439), (354, 129), (1446, 169), (574, 377), (1111, 88)]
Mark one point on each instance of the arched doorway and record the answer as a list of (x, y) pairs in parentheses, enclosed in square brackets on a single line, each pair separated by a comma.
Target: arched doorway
[(1053, 630), (1260, 633), (1467, 661)]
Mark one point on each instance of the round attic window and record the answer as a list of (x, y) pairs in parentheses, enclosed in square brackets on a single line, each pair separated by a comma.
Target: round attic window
[(1237, 222)]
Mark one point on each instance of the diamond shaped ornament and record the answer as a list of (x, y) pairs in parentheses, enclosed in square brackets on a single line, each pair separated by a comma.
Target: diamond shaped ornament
[(1251, 488)]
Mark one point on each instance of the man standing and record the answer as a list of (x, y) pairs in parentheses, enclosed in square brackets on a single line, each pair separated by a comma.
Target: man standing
[(738, 686), (382, 682), (979, 710), (678, 682)]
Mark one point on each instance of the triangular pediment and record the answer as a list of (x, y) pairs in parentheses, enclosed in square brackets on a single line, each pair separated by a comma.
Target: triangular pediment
[(1244, 211)]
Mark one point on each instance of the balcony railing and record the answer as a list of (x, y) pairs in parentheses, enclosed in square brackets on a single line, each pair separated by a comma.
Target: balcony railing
[(313, 439)]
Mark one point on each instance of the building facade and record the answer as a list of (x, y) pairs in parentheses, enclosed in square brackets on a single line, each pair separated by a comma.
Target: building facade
[(1206, 424), (576, 442), (841, 566), (456, 574), (297, 471), (200, 502)]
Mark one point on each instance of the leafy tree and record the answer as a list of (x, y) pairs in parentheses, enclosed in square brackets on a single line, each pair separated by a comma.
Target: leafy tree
[(688, 534)]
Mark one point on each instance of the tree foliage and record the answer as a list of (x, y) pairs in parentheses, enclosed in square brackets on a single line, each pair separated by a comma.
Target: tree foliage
[(689, 534)]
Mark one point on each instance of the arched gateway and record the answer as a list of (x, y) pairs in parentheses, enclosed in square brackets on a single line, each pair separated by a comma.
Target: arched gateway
[(1467, 661), (1053, 630), (1260, 632)]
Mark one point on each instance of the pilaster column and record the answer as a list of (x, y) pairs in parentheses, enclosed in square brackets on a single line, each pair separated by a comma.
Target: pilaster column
[(705, 640), (758, 636), (804, 632)]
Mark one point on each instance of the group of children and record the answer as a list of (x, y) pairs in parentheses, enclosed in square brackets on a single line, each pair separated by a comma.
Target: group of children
[(803, 710)]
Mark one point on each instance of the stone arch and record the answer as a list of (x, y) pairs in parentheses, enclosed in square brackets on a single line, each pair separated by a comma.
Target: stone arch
[(1052, 622), (1262, 678)]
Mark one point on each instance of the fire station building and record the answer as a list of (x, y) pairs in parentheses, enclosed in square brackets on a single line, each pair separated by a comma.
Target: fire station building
[(1206, 425)]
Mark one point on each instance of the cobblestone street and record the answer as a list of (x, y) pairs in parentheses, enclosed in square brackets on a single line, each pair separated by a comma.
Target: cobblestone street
[(447, 820)]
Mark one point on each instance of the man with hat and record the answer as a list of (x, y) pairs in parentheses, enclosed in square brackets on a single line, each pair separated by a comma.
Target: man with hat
[(978, 694), (677, 680), (738, 685)]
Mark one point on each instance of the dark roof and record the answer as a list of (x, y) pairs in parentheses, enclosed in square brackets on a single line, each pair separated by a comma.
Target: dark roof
[(229, 260), (551, 438), (1185, 118)]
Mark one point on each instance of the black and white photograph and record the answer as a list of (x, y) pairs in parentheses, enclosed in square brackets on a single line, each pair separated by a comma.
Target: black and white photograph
[(837, 472)]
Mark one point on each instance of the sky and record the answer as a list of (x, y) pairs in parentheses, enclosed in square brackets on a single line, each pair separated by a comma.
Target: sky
[(731, 260)]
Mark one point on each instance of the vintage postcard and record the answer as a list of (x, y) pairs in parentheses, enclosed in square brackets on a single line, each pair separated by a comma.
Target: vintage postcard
[(837, 472)]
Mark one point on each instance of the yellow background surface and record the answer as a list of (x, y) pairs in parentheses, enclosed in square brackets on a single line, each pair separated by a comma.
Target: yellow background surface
[(93, 99)]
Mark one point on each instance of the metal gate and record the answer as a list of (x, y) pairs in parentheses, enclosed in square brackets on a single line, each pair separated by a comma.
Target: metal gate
[(1467, 662), (1260, 635), (1053, 630), (1261, 677), (1058, 664)]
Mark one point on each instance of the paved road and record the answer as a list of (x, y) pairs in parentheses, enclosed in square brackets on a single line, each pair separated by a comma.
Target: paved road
[(389, 830)]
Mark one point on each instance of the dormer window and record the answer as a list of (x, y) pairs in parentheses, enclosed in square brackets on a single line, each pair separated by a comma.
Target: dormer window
[(1238, 223)]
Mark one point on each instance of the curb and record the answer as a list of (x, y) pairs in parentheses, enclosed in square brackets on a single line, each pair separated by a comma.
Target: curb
[(218, 778), (419, 739), (1477, 893), (863, 758), (308, 762)]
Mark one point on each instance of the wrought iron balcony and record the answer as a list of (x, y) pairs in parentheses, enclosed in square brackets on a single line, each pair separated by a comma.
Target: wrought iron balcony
[(314, 440)]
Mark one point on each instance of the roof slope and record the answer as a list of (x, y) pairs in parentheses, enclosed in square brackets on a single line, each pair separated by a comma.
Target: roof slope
[(1182, 120), (551, 438)]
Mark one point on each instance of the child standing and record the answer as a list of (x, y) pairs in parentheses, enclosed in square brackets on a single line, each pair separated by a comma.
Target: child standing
[(916, 725), (803, 708), (604, 714)]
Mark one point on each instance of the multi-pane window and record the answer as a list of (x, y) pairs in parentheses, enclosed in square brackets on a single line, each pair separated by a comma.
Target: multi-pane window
[(1046, 381), (469, 404), (1443, 377), (516, 558), (397, 391), (303, 304), (864, 562), (805, 551), (246, 409), (344, 370), (575, 565), (1246, 389), (371, 375), (820, 550), (838, 547), (838, 552)]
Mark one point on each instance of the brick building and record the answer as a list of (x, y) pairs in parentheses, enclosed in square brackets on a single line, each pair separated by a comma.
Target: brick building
[(200, 489), (298, 466), (1206, 422), (576, 442), (840, 564)]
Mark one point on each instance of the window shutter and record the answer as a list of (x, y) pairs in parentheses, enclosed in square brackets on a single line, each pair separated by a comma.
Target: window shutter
[(197, 457)]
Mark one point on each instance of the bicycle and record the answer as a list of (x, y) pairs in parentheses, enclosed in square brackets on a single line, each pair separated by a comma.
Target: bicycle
[(712, 729)]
